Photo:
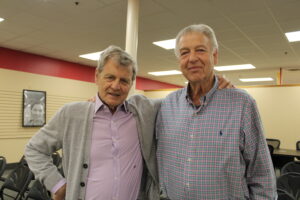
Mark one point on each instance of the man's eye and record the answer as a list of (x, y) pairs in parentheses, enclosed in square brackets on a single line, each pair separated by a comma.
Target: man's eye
[(125, 82), (183, 53), (110, 78), (200, 50)]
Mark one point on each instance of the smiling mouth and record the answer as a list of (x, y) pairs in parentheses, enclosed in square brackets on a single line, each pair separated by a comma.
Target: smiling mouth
[(194, 68), (114, 94)]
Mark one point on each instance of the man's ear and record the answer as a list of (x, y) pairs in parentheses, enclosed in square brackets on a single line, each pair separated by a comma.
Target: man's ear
[(216, 56), (96, 75)]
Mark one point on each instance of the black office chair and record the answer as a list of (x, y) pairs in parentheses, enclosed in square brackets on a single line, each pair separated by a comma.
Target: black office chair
[(288, 184), (23, 161), (293, 166), (271, 149), (2, 165), (274, 142), (282, 195), (298, 148), (16, 183), (37, 192)]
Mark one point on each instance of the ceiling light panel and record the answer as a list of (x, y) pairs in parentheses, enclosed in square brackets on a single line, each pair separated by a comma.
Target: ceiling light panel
[(165, 73), (91, 56), (234, 67), (166, 44), (293, 36), (256, 79)]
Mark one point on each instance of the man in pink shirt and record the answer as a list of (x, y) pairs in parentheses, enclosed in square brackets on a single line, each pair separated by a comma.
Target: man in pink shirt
[(108, 145)]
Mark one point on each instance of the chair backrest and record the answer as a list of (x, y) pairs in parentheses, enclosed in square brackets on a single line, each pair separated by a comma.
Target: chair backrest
[(271, 149), (293, 166), (16, 183), (282, 195), (289, 184), (23, 161), (37, 192), (274, 142), (298, 145), (2, 165)]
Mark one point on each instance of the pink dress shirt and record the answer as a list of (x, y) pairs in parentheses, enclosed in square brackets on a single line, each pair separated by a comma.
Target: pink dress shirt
[(115, 167)]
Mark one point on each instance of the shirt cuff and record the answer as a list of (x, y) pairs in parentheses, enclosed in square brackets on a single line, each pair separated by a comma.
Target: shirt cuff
[(58, 186)]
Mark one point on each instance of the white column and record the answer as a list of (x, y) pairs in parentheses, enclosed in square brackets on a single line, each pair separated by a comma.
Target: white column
[(132, 31)]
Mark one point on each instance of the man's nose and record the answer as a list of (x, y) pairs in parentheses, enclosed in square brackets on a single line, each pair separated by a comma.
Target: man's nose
[(193, 57), (115, 85)]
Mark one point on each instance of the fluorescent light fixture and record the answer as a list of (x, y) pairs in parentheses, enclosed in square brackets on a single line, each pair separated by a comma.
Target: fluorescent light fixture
[(293, 36), (234, 67), (256, 79), (1, 19), (91, 56), (166, 44), (165, 73)]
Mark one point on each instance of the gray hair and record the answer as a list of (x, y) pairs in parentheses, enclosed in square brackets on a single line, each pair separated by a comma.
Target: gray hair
[(198, 28), (120, 56)]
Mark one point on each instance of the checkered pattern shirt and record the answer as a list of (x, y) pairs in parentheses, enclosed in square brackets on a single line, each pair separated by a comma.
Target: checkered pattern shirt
[(215, 151)]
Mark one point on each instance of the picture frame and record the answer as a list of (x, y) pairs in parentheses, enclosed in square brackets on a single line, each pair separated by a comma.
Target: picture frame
[(34, 108)]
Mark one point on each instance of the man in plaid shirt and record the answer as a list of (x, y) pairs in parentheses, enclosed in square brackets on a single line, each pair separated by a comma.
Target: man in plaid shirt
[(210, 142)]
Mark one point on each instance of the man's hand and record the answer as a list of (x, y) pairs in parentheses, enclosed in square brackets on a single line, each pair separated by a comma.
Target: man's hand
[(224, 83), (60, 193), (92, 99)]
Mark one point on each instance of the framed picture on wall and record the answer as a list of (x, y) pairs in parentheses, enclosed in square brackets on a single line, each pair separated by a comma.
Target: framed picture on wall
[(34, 108)]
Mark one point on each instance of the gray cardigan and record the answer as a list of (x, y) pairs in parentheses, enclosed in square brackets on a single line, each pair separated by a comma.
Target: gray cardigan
[(70, 130)]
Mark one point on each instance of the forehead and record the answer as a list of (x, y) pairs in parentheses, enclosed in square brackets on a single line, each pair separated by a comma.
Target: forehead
[(193, 39), (114, 67)]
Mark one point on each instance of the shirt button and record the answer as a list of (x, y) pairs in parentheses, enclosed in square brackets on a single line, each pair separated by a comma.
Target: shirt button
[(187, 184), (85, 165), (192, 136), (189, 159), (82, 184)]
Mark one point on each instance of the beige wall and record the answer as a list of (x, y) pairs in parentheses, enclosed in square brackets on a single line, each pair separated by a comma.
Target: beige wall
[(279, 107), (280, 112), (13, 136), (60, 91)]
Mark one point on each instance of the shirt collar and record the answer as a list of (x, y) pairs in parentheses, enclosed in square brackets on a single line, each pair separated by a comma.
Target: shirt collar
[(207, 97), (99, 105)]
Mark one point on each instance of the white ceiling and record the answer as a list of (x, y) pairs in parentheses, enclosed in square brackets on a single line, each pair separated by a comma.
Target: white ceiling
[(249, 31)]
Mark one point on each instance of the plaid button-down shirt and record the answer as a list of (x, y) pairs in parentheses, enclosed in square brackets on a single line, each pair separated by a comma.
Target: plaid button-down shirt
[(215, 151)]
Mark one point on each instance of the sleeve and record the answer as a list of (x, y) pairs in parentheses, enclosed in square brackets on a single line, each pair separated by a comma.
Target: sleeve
[(40, 147), (61, 183), (260, 174)]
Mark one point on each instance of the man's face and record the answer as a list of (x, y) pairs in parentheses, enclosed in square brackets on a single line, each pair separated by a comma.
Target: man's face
[(114, 83), (197, 58)]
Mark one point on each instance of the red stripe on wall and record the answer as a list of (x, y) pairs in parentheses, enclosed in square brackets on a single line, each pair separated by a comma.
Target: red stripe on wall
[(27, 62), (148, 84)]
